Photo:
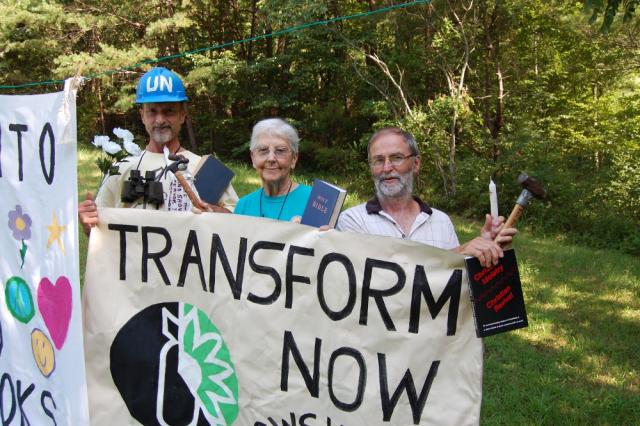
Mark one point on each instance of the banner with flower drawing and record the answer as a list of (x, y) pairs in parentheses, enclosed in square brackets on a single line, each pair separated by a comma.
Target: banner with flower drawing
[(42, 379)]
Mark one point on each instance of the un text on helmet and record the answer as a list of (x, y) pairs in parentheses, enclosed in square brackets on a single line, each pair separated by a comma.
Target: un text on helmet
[(161, 81)]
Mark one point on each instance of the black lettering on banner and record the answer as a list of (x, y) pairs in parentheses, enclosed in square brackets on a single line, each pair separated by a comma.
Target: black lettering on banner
[(302, 421), (218, 250), (22, 397), (362, 378), (289, 348), (123, 229), (1, 341), (284, 422), (416, 402), (188, 258), (379, 295), (6, 420), (266, 270), (48, 176), (329, 422), (47, 411), (304, 417), (19, 128), (290, 278), (351, 276), (146, 255), (450, 293)]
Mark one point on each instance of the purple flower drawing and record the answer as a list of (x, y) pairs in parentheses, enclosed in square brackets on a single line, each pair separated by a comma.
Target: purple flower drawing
[(20, 225)]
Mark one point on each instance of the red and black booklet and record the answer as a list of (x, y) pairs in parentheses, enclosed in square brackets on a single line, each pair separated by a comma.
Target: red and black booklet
[(496, 295)]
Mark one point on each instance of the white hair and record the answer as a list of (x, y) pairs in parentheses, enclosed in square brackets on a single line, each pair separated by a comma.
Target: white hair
[(276, 127)]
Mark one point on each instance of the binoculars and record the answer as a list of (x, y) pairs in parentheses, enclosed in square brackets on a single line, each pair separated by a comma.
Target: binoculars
[(147, 187)]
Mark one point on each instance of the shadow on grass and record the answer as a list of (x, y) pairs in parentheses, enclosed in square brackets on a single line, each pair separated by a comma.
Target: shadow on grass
[(578, 361)]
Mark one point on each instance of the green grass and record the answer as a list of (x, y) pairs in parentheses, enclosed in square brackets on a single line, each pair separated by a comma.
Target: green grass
[(577, 363)]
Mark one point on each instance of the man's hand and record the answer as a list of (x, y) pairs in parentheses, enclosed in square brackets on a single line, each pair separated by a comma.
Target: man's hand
[(488, 252), (88, 213), (493, 231)]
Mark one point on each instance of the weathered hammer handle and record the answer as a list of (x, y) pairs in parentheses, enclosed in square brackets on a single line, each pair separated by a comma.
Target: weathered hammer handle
[(513, 217), (195, 200)]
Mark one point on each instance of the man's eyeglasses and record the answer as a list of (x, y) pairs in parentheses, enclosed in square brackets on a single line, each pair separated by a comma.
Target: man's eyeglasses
[(263, 152), (395, 160)]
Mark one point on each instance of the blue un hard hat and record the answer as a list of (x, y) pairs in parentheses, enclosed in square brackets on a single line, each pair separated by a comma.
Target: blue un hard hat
[(160, 85)]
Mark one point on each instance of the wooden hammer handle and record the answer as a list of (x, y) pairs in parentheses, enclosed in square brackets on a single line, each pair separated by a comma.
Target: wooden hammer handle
[(513, 217)]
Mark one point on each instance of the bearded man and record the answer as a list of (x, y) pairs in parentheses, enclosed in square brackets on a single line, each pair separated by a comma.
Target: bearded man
[(162, 98), (394, 161)]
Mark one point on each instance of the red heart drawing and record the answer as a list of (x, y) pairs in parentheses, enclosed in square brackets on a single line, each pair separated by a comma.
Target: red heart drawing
[(54, 303)]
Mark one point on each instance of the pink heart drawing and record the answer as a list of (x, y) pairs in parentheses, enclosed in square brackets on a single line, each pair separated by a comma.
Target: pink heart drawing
[(54, 302)]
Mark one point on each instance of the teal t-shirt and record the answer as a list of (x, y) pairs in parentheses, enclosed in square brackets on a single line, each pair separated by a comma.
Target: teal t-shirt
[(285, 206)]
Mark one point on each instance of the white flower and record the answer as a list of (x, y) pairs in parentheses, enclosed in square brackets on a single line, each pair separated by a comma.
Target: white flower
[(123, 134), (100, 140), (132, 148), (127, 139), (111, 147)]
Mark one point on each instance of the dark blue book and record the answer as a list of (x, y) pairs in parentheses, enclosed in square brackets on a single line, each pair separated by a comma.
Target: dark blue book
[(324, 205), (211, 179), (496, 295)]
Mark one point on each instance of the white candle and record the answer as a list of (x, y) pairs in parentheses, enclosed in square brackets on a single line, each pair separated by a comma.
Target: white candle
[(493, 198)]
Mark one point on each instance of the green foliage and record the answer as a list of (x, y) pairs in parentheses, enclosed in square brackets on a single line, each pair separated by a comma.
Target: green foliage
[(497, 89), (609, 9)]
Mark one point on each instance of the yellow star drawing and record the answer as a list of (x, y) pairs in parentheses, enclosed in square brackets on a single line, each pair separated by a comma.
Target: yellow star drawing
[(55, 233)]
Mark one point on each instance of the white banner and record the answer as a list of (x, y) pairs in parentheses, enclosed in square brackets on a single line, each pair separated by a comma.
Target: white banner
[(41, 350), (219, 319)]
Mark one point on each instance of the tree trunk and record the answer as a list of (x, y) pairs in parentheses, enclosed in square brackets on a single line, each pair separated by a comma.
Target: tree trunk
[(493, 112), (252, 31), (192, 135), (101, 103)]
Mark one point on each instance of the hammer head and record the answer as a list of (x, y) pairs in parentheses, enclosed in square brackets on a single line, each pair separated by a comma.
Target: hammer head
[(533, 186), (179, 163), (531, 189)]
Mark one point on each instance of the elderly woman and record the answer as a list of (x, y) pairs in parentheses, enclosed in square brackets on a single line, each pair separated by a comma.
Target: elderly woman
[(274, 153)]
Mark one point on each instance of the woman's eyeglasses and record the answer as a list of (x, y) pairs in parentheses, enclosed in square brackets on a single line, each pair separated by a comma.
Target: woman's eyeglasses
[(263, 152)]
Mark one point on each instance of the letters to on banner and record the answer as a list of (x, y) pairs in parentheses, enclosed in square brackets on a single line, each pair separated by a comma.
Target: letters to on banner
[(40, 317)]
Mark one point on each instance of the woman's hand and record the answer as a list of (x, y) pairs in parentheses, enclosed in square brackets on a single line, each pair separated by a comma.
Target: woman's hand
[(209, 208)]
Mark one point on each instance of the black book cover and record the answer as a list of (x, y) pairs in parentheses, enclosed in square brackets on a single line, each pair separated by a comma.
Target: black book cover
[(496, 295), (211, 179)]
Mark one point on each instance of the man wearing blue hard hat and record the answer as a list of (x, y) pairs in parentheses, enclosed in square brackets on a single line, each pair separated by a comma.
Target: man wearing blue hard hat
[(162, 96)]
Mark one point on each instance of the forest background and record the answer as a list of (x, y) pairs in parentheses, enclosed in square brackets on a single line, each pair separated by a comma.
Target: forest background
[(488, 88)]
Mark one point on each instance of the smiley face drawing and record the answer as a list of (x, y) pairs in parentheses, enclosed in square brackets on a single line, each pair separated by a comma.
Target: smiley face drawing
[(43, 352)]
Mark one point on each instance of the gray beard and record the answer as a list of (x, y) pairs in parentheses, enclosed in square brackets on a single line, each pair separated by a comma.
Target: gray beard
[(401, 189), (161, 136)]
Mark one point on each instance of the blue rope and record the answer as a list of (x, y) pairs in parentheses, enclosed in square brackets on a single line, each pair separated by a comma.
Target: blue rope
[(229, 44)]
